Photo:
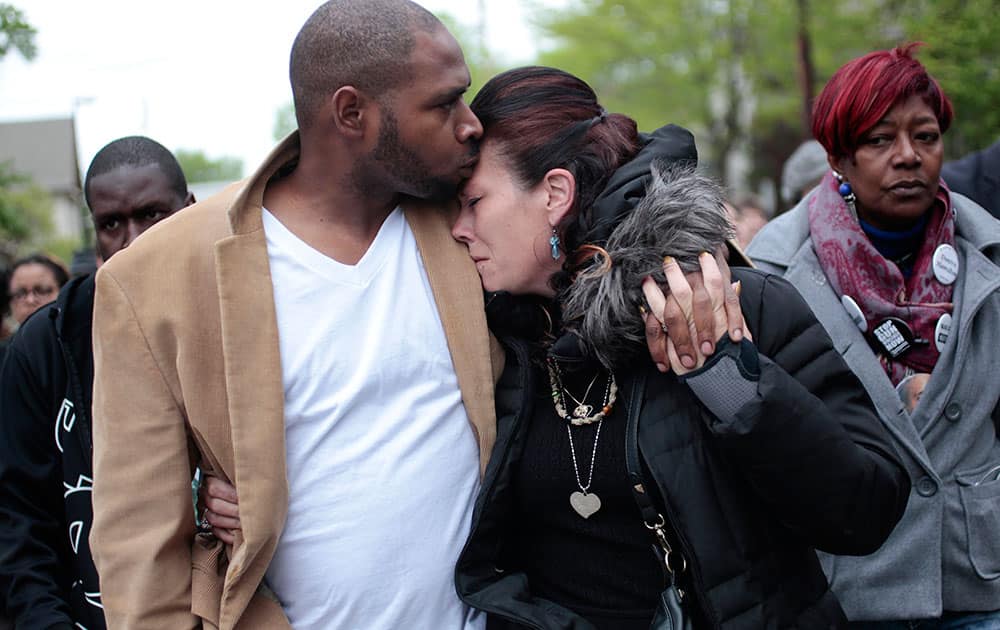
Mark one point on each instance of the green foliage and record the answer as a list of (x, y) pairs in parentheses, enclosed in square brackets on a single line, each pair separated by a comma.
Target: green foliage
[(483, 63), (25, 213), (25, 208), (198, 167), (16, 33), (62, 248), (731, 70), (963, 53), (704, 64)]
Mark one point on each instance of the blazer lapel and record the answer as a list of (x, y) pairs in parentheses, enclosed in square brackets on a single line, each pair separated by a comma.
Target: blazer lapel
[(253, 386), (458, 294)]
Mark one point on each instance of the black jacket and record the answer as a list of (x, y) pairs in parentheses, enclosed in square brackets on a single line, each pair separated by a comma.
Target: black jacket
[(806, 465), (47, 576), (977, 176)]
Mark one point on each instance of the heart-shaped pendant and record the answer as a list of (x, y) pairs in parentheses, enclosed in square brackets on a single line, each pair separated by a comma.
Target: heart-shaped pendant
[(583, 411), (585, 504)]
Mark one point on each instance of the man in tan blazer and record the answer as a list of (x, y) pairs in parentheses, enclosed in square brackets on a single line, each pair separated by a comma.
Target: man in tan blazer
[(196, 365)]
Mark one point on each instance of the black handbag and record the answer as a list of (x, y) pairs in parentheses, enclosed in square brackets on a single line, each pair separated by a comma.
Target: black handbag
[(670, 613)]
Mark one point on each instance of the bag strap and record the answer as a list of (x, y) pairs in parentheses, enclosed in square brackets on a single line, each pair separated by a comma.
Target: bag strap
[(654, 520)]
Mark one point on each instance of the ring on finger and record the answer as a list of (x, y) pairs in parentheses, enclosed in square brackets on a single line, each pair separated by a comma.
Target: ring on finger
[(663, 327), (203, 524)]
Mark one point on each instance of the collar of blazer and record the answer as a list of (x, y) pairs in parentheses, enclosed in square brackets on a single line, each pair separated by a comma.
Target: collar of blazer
[(253, 369)]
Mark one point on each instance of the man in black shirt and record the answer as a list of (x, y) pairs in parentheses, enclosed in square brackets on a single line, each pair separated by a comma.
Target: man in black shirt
[(47, 576), (977, 176)]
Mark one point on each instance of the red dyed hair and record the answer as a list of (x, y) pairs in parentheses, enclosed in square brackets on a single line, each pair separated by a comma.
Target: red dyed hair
[(863, 90)]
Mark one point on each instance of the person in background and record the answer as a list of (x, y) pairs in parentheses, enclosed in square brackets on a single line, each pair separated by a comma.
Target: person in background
[(977, 176), (802, 171), (47, 575), (6, 329), (905, 277), (31, 282), (747, 216), (34, 280)]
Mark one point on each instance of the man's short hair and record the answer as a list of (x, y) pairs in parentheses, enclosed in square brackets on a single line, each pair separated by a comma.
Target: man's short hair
[(363, 43), (136, 151)]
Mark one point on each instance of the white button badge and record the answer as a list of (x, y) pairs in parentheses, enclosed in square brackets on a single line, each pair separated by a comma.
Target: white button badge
[(855, 313), (942, 331), (945, 264)]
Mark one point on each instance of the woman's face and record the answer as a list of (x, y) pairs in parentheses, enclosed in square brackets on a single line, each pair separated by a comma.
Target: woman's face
[(31, 285), (897, 166), (506, 228)]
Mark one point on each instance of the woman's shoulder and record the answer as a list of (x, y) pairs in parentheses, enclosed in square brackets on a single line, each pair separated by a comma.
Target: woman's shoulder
[(777, 242), (976, 225)]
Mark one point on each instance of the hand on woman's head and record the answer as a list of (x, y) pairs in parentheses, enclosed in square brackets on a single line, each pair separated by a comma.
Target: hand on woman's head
[(699, 308)]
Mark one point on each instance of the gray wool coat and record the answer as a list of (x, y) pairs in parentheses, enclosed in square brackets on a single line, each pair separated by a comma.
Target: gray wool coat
[(944, 555)]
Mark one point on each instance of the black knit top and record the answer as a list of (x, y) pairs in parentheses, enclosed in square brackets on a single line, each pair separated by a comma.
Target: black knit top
[(603, 567)]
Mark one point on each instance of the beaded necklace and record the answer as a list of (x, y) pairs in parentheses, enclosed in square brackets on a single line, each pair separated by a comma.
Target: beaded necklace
[(582, 413)]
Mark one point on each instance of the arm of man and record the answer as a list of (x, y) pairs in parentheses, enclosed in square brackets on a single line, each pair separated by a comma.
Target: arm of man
[(143, 523), (809, 438), (793, 417), (34, 562)]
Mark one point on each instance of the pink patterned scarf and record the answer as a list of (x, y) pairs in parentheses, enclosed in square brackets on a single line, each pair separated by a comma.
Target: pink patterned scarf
[(855, 268)]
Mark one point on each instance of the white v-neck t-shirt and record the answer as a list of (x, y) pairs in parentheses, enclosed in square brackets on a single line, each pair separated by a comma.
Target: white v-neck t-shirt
[(382, 463)]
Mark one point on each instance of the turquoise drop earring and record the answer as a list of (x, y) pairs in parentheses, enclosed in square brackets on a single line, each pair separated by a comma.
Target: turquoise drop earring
[(554, 242)]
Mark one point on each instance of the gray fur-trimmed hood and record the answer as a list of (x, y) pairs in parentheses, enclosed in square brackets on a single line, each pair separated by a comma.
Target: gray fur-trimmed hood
[(681, 215)]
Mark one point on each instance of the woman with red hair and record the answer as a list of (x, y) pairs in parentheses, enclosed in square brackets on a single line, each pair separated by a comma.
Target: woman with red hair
[(905, 277)]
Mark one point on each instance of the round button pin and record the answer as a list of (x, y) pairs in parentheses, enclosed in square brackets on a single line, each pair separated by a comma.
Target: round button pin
[(942, 331), (893, 338), (945, 264), (855, 313)]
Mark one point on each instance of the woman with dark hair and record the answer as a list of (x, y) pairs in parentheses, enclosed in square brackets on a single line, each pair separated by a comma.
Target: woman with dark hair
[(619, 490), (34, 281), (905, 277), (740, 460)]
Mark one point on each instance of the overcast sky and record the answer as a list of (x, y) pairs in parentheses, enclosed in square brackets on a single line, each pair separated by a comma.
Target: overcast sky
[(193, 74)]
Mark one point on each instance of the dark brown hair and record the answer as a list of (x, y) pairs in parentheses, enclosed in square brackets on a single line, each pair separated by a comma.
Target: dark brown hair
[(56, 268), (542, 118)]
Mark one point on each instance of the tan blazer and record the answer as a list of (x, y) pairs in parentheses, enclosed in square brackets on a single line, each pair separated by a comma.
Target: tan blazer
[(187, 372)]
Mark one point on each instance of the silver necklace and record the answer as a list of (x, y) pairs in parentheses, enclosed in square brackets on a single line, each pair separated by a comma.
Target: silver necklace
[(582, 409), (585, 503)]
